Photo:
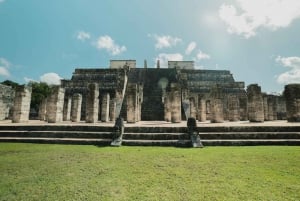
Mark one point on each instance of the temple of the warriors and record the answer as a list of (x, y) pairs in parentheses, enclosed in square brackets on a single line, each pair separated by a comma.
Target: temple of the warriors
[(168, 94)]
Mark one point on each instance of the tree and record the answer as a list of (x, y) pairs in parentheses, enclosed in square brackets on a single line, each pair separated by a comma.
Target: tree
[(10, 83)]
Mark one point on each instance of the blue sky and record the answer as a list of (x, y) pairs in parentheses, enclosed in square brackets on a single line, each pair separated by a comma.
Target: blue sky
[(257, 40)]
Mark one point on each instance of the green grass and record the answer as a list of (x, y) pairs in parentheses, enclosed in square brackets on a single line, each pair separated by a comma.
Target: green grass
[(71, 172)]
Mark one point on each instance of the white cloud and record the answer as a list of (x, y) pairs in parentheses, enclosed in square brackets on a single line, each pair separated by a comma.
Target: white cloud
[(165, 41), (190, 48), (201, 55), (4, 66), (82, 35), (293, 74), (27, 79), (164, 58), (254, 14), (51, 78), (107, 43)]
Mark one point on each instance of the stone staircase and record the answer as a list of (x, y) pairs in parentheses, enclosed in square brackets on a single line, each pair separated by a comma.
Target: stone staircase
[(151, 136)]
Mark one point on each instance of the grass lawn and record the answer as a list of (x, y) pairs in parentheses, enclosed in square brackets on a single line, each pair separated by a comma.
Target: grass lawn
[(71, 172)]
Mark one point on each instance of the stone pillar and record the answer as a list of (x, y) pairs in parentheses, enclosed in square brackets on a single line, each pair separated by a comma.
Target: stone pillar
[(21, 106), (255, 103), (92, 103), (55, 104), (132, 103), (67, 109), (271, 108), (292, 99), (201, 109), (76, 107), (217, 110), (112, 109), (105, 107), (43, 110), (167, 107), (233, 108), (266, 108), (175, 96), (243, 103), (139, 102), (193, 109)]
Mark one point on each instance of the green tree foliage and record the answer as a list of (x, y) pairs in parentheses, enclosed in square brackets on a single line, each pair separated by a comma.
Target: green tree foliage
[(10, 83), (40, 90)]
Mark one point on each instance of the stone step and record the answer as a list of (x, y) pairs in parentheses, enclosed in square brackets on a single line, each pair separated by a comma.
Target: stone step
[(54, 127), (155, 136), (251, 135), (251, 142), (175, 143), (81, 141), (56, 134)]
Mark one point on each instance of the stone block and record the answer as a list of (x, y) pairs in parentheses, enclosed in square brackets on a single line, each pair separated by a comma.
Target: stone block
[(21, 106)]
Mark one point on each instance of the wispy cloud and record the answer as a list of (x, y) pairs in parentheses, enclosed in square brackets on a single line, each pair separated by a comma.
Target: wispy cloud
[(190, 48), (293, 74), (254, 14), (164, 58), (2, 1), (51, 78), (201, 55), (165, 41), (108, 44), (4, 66), (82, 35)]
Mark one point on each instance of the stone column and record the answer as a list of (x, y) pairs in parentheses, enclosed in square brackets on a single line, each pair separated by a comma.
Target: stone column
[(175, 103), (292, 99), (255, 103), (92, 103), (266, 107), (193, 109), (76, 107), (167, 107), (112, 109), (243, 103), (132, 103), (67, 109), (201, 109), (272, 115), (55, 104), (43, 110), (105, 107), (233, 108), (21, 106), (217, 110)]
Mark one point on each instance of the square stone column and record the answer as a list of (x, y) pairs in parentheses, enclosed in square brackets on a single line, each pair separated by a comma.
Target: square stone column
[(217, 108), (167, 107), (193, 108), (92, 103), (67, 109), (105, 107), (175, 95), (55, 104), (21, 106), (233, 108), (255, 103), (43, 110), (76, 107), (132, 103), (292, 99), (112, 109), (201, 109)]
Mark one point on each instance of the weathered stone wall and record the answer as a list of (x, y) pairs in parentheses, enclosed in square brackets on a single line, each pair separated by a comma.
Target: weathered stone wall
[(255, 103), (292, 98), (21, 106), (7, 95)]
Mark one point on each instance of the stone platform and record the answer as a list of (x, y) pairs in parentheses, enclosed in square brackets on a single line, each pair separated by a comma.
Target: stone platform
[(153, 133)]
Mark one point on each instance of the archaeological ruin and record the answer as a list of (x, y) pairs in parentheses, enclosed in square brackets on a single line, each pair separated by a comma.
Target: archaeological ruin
[(136, 94)]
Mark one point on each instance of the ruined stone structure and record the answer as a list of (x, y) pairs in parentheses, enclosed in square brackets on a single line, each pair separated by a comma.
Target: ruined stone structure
[(168, 94), (172, 94), (6, 101)]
